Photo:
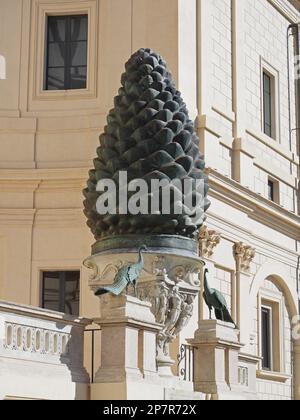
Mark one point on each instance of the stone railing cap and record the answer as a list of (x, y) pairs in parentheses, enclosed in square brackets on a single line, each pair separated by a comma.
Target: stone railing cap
[(34, 312)]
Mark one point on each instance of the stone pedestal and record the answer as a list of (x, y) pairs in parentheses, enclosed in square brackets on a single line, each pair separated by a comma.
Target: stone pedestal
[(137, 330), (128, 348), (169, 283), (217, 360)]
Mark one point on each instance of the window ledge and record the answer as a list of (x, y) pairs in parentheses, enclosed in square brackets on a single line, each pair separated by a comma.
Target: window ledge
[(70, 94), (273, 376)]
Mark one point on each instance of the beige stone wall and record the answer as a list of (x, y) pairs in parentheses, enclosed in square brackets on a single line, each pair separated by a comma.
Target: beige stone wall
[(48, 140), (222, 54)]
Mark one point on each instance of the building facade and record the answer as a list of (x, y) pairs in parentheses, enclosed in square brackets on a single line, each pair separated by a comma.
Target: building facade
[(233, 60)]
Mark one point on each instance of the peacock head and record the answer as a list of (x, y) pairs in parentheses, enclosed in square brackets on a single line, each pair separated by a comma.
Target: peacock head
[(206, 271), (143, 249)]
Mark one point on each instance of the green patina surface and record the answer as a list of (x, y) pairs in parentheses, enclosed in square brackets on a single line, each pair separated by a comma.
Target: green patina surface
[(150, 136), (127, 242)]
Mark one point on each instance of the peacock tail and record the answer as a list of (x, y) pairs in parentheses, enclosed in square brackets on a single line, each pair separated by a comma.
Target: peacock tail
[(121, 282), (226, 315)]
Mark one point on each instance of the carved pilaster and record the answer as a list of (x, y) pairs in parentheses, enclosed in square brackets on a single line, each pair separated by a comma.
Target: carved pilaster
[(244, 255), (208, 240)]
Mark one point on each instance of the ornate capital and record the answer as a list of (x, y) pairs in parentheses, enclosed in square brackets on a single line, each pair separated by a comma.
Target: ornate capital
[(244, 255), (208, 240)]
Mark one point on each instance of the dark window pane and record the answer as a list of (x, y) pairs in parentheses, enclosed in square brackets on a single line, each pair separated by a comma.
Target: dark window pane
[(56, 79), (66, 52), (271, 190), (56, 55), (78, 53), (72, 293), (51, 292), (78, 77), (57, 29), (79, 28), (61, 292), (267, 111), (266, 338), (267, 104), (267, 83)]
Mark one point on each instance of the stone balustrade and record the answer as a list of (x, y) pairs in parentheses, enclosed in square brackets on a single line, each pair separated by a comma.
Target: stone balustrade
[(34, 340), (42, 354)]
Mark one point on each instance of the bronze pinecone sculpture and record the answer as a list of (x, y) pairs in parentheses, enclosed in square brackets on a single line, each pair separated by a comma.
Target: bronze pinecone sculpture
[(150, 136)]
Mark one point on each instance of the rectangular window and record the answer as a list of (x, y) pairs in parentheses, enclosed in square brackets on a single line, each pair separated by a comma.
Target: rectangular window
[(268, 104), (66, 60), (266, 337), (61, 291), (273, 191)]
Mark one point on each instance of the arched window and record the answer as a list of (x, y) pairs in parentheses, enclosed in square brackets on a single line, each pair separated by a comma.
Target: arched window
[(2, 68)]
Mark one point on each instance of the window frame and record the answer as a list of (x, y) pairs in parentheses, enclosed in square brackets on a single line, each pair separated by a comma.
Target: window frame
[(42, 99), (274, 301), (68, 64), (274, 75), (276, 190), (271, 355), (268, 126), (62, 277)]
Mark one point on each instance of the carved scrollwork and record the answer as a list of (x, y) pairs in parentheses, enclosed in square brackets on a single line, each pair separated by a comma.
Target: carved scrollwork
[(105, 276), (111, 270), (91, 265), (188, 274)]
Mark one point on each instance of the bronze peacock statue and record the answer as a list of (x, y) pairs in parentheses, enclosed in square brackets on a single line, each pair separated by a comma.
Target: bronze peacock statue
[(215, 300), (126, 276)]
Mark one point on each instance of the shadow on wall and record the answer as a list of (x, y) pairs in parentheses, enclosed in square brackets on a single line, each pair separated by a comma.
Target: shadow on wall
[(2, 67), (72, 358)]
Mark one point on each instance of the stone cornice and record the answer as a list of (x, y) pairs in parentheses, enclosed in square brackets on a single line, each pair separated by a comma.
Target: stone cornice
[(296, 4), (43, 180), (257, 207), (231, 232), (288, 11), (43, 174), (33, 312), (20, 185), (17, 217)]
